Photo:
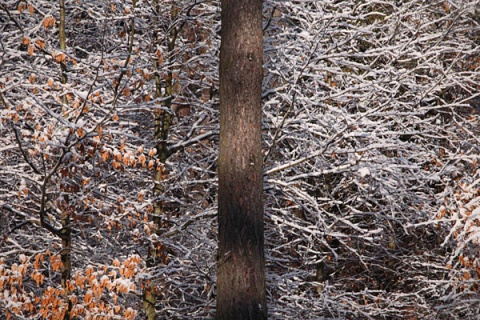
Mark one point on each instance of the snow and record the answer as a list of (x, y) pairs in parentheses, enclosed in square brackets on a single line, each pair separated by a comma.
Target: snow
[(363, 172), (358, 100)]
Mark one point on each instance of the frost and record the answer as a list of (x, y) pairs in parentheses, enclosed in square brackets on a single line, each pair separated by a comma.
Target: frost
[(363, 172), (370, 154)]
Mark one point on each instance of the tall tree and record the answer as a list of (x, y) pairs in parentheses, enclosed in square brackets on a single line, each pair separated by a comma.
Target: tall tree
[(66, 231), (240, 265)]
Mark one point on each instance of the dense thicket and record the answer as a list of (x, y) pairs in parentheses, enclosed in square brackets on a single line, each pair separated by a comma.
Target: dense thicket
[(370, 151)]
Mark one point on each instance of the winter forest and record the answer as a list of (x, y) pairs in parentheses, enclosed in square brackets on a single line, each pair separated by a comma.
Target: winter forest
[(109, 141)]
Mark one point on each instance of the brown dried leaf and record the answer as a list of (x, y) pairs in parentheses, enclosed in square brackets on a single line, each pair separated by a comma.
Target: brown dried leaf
[(21, 7), (31, 50), (32, 78), (48, 22), (26, 41)]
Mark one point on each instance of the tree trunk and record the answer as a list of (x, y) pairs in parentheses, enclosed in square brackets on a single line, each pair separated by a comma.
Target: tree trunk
[(240, 264), (66, 231), (162, 124), (65, 257), (62, 42)]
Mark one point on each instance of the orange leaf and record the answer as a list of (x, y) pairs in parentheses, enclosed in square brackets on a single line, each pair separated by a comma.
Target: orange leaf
[(60, 57), (150, 164), (69, 96), (89, 272), (88, 297), (38, 259), (21, 7), (26, 41), (80, 132), (129, 314), (126, 160), (104, 156), (48, 22), (116, 262), (142, 159), (446, 6), (32, 78), (152, 152), (40, 43)]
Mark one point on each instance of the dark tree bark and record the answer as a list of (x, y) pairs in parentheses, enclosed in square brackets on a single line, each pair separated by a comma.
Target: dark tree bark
[(66, 232), (241, 265)]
